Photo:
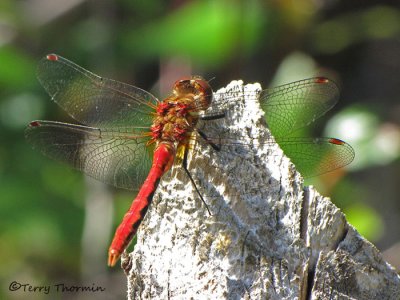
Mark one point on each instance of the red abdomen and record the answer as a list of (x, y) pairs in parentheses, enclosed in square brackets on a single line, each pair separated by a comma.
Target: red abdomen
[(163, 159)]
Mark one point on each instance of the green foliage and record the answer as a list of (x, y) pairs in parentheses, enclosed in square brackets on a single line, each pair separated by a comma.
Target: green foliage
[(367, 221), (378, 22), (17, 70), (209, 32)]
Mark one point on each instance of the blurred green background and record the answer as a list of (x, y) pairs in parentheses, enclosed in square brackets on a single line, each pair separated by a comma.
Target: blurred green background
[(55, 225)]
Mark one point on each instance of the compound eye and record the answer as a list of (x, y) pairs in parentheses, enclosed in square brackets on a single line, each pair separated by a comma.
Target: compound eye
[(203, 86), (195, 85), (205, 91), (182, 82)]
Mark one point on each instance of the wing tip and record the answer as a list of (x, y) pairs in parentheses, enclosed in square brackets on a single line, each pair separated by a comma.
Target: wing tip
[(52, 57), (35, 124), (336, 141), (321, 79)]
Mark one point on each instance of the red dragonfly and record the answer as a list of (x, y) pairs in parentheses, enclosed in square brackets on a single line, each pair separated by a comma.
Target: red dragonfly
[(124, 123)]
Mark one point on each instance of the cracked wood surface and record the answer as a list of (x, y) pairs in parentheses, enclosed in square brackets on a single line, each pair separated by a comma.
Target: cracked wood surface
[(268, 236)]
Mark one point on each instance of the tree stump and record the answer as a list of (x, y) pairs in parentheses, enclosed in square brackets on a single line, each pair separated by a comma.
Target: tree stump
[(266, 236)]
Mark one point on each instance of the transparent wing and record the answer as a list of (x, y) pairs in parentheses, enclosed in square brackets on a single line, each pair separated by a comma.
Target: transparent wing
[(118, 158), (292, 106), (287, 107), (317, 156), (311, 156), (93, 100)]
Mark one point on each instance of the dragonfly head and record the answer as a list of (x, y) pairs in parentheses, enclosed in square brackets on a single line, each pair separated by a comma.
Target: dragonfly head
[(197, 86)]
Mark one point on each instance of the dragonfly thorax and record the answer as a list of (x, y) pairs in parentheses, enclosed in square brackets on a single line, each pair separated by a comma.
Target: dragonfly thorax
[(177, 115), (175, 119)]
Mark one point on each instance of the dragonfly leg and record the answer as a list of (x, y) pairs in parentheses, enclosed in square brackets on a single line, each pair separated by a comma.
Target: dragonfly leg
[(213, 145), (184, 165), (213, 117)]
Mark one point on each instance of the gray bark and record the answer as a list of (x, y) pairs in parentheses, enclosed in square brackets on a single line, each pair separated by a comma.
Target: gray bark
[(268, 236)]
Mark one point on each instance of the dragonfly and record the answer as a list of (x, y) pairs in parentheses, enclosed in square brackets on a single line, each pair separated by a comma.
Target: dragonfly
[(128, 138)]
